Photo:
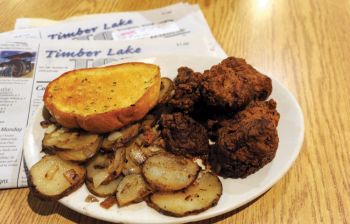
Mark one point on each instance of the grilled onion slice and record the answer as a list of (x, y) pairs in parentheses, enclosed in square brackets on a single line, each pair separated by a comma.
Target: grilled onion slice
[(120, 138), (104, 190), (132, 189)]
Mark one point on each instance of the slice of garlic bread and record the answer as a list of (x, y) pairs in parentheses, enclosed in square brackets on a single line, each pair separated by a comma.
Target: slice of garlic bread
[(104, 99)]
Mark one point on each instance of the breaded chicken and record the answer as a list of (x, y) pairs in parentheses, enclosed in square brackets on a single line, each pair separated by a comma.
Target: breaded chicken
[(183, 135), (233, 83), (187, 89), (247, 142)]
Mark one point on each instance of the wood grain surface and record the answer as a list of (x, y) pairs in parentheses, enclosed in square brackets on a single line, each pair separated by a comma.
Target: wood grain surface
[(303, 43)]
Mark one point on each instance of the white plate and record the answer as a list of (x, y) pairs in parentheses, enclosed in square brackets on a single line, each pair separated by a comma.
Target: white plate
[(236, 192)]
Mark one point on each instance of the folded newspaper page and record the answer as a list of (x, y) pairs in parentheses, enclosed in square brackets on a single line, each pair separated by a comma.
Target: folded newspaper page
[(27, 23), (168, 22), (20, 34), (26, 67)]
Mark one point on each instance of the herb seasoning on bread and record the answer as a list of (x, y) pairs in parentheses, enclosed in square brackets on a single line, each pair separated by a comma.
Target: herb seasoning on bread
[(101, 100)]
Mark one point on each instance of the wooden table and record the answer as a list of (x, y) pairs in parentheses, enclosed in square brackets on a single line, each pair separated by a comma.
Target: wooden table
[(303, 43)]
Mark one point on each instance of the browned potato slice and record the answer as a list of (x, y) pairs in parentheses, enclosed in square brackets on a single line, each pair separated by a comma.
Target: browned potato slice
[(166, 89), (71, 145), (168, 172), (122, 137), (132, 189), (104, 190), (53, 178), (79, 155), (105, 167), (61, 139), (97, 169), (203, 194), (96, 164)]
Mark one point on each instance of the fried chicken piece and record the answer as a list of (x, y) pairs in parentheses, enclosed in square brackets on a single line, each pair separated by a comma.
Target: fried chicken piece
[(183, 135), (214, 122), (187, 89), (264, 109), (247, 142), (233, 83)]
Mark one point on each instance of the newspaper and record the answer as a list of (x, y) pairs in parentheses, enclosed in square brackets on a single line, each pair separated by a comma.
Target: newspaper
[(26, 66), (39, 50), (27, 23), (168, 22), (20, 34)]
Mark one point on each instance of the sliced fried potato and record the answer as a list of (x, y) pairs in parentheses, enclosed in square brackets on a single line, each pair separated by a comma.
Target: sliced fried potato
[(203, 194), (80, 155), (132, 189), (103, 168), (104, 190), (120, 138), (97, 169), (102, 177), (166, 89), (71, 145), (168, 172), (61, 139), (54, 178)]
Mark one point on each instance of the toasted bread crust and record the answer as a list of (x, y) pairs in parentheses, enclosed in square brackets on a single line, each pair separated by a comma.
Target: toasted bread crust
[(110, 120)]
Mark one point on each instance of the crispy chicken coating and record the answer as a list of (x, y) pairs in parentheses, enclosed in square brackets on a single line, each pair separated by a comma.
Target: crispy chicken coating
[(187, 89), (247, 142), (228, 100), (233, 84), (183, 135)]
